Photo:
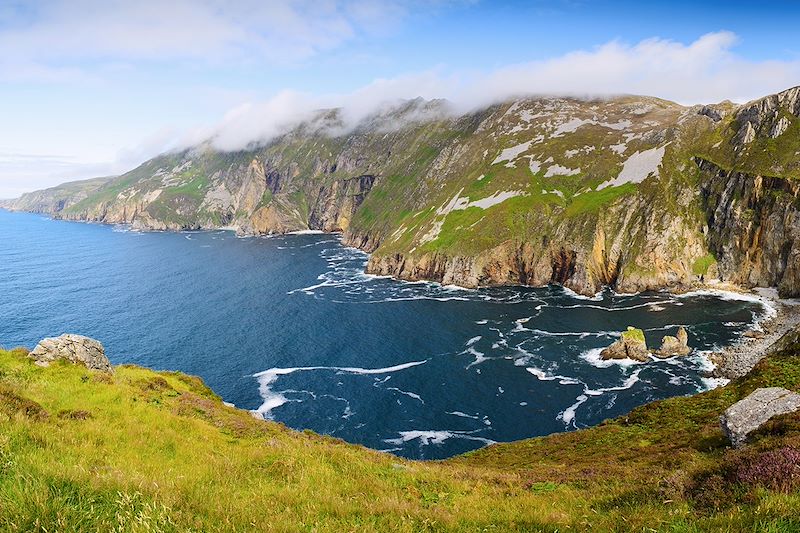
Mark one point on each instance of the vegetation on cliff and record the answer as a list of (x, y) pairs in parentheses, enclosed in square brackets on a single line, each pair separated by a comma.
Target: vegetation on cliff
[(141, 450), (622, 191)]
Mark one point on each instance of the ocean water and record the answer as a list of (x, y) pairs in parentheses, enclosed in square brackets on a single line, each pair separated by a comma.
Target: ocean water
[(291, 328)]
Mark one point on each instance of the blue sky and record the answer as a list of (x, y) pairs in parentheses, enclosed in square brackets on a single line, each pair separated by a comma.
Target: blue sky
[(92, 88)]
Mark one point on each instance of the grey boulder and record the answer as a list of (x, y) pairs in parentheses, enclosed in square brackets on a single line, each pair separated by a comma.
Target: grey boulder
[(749, 414), (74, 348)]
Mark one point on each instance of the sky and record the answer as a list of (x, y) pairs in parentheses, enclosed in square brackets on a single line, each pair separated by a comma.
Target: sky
[(95, 87)]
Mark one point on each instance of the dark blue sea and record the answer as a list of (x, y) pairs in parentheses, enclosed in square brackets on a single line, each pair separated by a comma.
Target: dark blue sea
[(291, 328)]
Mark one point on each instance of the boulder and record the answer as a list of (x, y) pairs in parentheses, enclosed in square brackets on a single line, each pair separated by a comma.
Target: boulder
[(672, 346), (749, 414), (754, 334), (631, 345), (74, 348)]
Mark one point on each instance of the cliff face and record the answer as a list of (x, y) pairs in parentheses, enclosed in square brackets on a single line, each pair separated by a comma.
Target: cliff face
[(632, 246), (633, 192), (754, 227)]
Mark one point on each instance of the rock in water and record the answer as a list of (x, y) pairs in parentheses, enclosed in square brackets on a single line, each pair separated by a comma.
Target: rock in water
[(74, 348), (631, 345), (749, 414), (671, 346)]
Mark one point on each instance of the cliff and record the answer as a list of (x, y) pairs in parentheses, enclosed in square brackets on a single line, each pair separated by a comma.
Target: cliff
[(140, 450), (632, 192)]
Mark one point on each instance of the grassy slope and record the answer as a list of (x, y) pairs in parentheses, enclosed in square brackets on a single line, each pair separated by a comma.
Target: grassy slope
[(158, 451), (65, 191)]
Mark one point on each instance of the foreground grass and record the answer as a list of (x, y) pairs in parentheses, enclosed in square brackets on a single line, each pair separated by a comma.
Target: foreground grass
[(158, 451)]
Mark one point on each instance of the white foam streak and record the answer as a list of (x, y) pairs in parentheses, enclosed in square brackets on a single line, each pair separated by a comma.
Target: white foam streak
[(406, 393), (427, 437), (569, 292), (272, 399), (593, 358), (769, 309)]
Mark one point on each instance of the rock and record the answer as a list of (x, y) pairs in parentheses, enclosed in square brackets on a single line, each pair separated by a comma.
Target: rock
[(672, 346), (779, 127), (754, 334), (749, 414), (631, 345), (74, 348), (753, 227)]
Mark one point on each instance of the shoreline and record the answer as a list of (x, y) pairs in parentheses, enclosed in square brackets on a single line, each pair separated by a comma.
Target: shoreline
[(736, 360), (763, 294)]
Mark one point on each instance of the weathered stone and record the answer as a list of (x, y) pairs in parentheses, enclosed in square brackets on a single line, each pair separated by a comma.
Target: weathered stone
[(749, 414), (754, 227), (74, 348), (672, 346), (631, 345)]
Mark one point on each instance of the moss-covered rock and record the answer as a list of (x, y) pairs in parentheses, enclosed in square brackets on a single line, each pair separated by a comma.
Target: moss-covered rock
[(631, 345)]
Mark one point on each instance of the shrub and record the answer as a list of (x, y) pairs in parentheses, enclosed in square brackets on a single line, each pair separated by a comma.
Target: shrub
[(777, 470)]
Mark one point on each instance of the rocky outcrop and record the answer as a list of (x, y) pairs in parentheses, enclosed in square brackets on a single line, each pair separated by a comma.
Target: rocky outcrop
[(749, 414), (631, 345), (672, 346), (75, 349), (766, 116), (753, 227)]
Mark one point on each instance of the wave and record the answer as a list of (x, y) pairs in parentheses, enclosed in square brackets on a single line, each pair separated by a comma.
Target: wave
[(406, 393), (272, 399), (598, 297), (431, 436), (592, 357), (655, 305), (568, 414), (541, 375), (769, 309), (463, 415)]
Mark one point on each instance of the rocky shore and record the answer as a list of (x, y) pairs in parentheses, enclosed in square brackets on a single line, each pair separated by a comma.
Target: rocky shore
[(738, 359)]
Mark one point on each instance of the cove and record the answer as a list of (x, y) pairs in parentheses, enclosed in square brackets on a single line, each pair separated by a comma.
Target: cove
[(290, 327)]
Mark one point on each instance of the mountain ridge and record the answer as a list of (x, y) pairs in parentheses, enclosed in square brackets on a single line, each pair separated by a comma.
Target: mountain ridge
[(622, 191)]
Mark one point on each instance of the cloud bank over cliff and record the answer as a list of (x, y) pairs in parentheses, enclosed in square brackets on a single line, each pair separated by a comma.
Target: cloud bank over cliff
[(704, 71), (91, 87)]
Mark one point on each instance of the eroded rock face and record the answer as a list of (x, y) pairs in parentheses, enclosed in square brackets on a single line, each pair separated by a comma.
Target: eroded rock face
[(766, 115), (74, 348), (749, 414), (754, 228), (672, 346), (631, 345)]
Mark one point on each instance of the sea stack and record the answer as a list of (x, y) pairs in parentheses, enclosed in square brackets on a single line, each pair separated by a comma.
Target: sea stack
[(672, 346), (631, 345)]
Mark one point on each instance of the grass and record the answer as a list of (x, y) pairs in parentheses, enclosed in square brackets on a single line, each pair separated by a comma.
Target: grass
[(702, 264), (633, 334), (159, 451)]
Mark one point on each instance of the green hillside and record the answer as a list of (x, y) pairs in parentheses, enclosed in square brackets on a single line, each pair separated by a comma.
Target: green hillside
[(149, 451)]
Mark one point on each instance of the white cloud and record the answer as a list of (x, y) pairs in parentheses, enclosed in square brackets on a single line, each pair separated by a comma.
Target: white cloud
[(51, 40), (704, 71)]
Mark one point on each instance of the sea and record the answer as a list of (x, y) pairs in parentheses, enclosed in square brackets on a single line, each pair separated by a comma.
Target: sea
[(292, 329)]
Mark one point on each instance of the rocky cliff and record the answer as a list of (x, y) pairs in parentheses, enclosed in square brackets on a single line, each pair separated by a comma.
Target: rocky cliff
[(754, 227), (632, 192)]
